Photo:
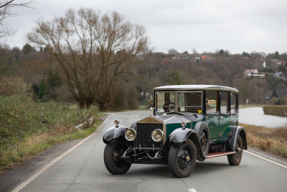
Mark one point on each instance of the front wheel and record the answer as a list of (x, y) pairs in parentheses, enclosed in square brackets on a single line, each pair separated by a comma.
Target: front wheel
[(182, 159), (235, 159), (112, 154)]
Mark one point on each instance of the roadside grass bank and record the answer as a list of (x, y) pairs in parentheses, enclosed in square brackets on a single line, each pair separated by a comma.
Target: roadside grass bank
[(27, 128), (277, 110), (267, 139)]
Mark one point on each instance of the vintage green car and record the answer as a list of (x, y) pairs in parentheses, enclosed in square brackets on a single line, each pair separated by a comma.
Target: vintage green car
[(187, 123)]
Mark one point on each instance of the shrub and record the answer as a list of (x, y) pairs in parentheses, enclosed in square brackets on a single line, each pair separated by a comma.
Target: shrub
[(12, 85), (21, 117), (275, 110)]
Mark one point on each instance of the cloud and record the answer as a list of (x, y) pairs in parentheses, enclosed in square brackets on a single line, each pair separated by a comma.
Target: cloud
[(206, 25)]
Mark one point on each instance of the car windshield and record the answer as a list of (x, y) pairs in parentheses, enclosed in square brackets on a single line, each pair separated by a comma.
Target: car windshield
[(178, 101)]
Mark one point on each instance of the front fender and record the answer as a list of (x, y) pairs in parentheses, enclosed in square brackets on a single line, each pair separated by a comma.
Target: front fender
[(114, 133), (180, 135)]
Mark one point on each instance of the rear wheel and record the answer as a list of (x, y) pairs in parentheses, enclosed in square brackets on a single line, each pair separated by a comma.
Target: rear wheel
[(112, 160), (235, 159), (182, 159)]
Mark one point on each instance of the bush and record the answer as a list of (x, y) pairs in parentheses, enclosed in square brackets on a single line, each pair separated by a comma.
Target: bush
[(12, 85), (275, 110), (21, 117)]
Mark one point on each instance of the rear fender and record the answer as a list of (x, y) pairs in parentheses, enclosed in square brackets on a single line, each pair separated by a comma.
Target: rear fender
[(114, 133), (231, 142)]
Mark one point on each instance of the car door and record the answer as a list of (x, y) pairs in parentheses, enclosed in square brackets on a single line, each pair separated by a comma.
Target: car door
[(212, 117), (224, 116)]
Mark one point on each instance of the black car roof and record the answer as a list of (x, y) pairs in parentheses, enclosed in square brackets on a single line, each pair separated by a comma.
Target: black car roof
[(195, 87)]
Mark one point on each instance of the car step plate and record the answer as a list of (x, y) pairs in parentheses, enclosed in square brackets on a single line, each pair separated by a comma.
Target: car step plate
[(219, 154)]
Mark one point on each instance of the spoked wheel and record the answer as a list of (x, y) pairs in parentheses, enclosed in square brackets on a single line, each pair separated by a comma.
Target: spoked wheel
[(181, 160), (203, 142), (235, 159), (112, 160)]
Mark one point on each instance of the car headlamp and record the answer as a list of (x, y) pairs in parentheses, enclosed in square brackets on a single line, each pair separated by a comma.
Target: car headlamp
[(130, 134), (157, 135)]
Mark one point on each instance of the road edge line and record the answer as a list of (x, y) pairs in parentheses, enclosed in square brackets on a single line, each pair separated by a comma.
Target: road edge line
[(29, 180), (266, 159)]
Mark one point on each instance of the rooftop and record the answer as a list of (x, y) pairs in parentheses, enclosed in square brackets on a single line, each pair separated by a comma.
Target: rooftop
[(196, 87)]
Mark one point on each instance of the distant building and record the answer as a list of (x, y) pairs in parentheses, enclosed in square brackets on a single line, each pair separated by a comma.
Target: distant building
[(267, 98), (278, 93), (253, 73), (280, 75), (183, 56), (281, 63), (205, 57)]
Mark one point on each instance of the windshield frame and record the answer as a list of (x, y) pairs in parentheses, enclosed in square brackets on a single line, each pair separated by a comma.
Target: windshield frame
[(176, 101)]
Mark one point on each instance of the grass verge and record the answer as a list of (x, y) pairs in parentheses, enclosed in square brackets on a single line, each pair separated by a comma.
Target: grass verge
[(27, 127), (267, 139), (36, 144)]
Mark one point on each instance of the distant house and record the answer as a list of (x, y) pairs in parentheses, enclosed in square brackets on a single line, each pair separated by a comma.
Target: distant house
[(183, 56), (273, 60), (280, 75), (281, 63), (278, 93), (248, 72), (253, 73), (197, 59), (205, 57), (267, 98)]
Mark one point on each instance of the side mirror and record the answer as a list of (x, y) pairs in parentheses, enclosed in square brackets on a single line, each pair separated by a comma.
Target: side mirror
[(150, 102)]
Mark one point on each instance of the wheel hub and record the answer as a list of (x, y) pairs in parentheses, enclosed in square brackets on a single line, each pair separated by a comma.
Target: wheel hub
[(116, 155), (203, 141), (184, 159)]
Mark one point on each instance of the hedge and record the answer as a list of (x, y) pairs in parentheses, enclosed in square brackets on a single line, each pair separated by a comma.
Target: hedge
[(275, 110)]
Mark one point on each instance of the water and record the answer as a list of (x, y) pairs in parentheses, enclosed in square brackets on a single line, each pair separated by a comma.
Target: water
[(256, 116)]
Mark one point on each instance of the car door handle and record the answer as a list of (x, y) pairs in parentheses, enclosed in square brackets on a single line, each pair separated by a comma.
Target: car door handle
[(221, 118), (206, 118)]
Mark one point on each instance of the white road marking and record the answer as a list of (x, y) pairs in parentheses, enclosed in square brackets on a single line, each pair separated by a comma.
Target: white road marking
[(25, 183), (192, 190), (266, 159)]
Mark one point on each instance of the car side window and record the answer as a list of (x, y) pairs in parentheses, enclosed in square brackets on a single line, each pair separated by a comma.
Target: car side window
[(211, 101), (232, 103), (224, 107), (189, 102)]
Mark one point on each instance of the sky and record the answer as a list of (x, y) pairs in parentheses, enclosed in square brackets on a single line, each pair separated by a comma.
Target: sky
[(184, 25)]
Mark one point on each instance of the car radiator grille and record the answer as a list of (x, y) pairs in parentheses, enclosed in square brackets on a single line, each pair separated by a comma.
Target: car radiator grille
[(143, 138)]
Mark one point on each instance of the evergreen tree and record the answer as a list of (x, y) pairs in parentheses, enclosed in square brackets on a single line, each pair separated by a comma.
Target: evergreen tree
[(42, 89)]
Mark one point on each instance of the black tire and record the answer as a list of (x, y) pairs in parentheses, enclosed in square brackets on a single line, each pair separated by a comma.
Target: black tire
[(235, 159), (113, 163), (201, 128), (178, 163)]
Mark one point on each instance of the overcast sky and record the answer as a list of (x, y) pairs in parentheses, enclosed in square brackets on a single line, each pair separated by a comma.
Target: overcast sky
[(204, 25)]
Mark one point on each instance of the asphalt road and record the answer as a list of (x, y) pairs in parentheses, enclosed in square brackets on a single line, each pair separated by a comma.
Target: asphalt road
[(83, 169)]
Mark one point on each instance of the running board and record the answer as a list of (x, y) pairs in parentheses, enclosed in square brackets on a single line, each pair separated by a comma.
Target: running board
[(219, 154)]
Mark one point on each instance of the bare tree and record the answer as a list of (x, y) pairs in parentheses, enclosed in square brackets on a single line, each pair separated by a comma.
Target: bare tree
[(5, 12), (246, 88), (93, 50)]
